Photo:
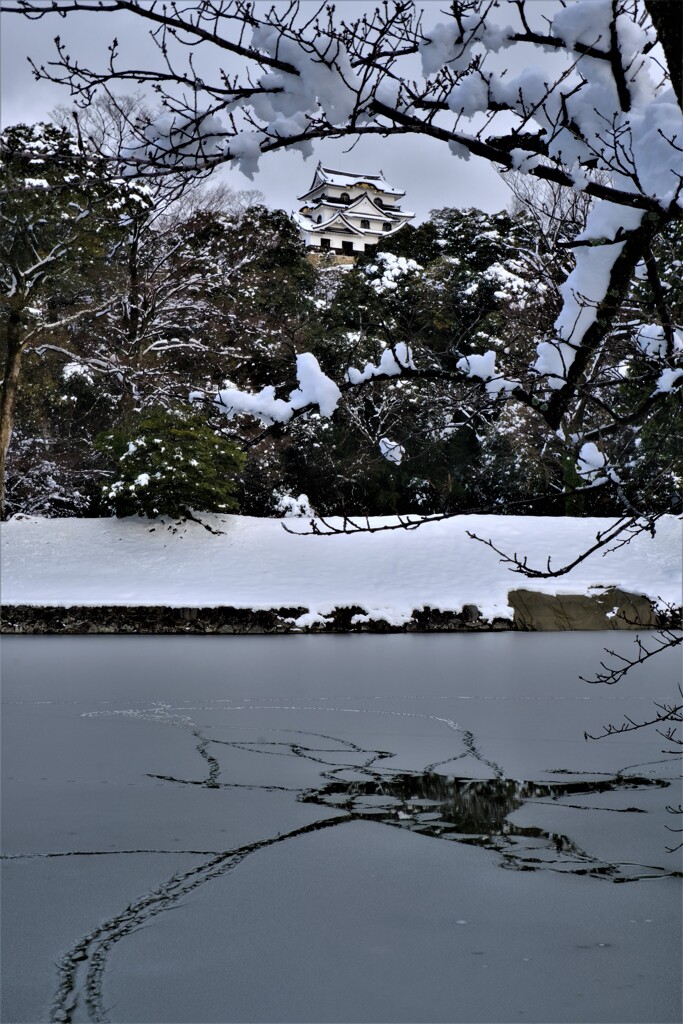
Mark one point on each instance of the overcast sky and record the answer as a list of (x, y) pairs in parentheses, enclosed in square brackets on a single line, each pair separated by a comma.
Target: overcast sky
[(423, 167)]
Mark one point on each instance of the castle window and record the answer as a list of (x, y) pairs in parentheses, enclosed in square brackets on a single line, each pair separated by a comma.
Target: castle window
[(365, 224), (347, 246), (345, 197), (318, 218), (386, 226), (379, 201), (324, 243)]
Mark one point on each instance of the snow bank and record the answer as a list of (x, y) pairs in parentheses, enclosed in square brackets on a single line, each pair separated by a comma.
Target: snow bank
[(256, 564)]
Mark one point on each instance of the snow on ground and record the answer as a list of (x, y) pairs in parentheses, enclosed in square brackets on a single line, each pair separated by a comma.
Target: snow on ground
[(255, 563)]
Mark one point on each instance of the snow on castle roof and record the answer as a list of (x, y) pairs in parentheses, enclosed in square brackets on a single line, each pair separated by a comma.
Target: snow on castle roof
[(329, 176), (339, 219), (343, 211)]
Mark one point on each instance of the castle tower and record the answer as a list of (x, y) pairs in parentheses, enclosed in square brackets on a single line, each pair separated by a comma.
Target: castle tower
[(346, 214)]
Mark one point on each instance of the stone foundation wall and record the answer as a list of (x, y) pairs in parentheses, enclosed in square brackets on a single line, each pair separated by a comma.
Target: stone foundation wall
[(75, 620), (611, 609), (330, 258)]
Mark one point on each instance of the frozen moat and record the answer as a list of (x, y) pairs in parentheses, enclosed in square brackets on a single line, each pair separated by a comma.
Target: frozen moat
[(339, 828)]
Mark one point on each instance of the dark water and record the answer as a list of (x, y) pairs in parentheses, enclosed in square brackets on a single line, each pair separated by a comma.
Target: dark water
[(339, 828)]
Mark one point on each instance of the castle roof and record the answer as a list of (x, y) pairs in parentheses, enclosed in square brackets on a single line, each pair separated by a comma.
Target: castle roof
[(345, 179), (347, 216), (338, 222)]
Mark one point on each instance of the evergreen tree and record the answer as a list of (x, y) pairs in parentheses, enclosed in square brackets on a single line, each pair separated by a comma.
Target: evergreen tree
[(61, 217), (171, 464)]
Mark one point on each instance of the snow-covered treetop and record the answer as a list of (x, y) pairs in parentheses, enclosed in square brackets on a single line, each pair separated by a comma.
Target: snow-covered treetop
[(55, 200)]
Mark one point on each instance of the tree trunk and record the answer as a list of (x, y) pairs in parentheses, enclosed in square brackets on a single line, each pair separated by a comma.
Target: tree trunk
[(132, 325), (667, 18), (8, 394), (574, 503)]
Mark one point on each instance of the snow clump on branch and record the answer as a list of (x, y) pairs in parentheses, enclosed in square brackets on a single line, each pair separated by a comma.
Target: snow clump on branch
[(393, 361), (586, 287), (484, 367), (592, 466), (315, 388), (652, 341), (625, 122), (392, 451), (325, 77)]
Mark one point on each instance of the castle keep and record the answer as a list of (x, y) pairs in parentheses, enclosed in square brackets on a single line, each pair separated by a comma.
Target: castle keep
[(347, 214)]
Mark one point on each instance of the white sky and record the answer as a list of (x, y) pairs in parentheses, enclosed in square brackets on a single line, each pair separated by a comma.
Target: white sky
[(423, 167)]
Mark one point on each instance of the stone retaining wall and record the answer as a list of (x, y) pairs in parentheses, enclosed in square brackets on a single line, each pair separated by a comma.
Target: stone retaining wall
[(610, 609), (31, 619)]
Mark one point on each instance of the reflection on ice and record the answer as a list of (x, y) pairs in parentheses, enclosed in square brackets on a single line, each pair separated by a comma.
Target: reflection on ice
[(471, 811), (475, 812)]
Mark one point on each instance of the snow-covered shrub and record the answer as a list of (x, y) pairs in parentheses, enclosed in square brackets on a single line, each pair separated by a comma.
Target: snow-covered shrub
[(171, 464), (293, 508), (389, 271), (51, 477)]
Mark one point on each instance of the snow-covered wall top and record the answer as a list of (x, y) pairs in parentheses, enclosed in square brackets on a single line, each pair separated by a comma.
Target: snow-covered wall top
[(255, 563)]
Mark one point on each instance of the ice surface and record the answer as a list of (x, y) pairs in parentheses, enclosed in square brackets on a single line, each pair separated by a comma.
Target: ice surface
[(238, 830)]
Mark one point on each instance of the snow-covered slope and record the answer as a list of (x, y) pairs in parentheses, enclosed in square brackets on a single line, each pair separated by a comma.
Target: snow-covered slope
[(255, 563)]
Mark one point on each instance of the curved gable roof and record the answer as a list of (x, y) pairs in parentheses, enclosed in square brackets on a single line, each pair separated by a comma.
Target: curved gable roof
[(381, 211), (365, 203), (346, 179), (338, 219)]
